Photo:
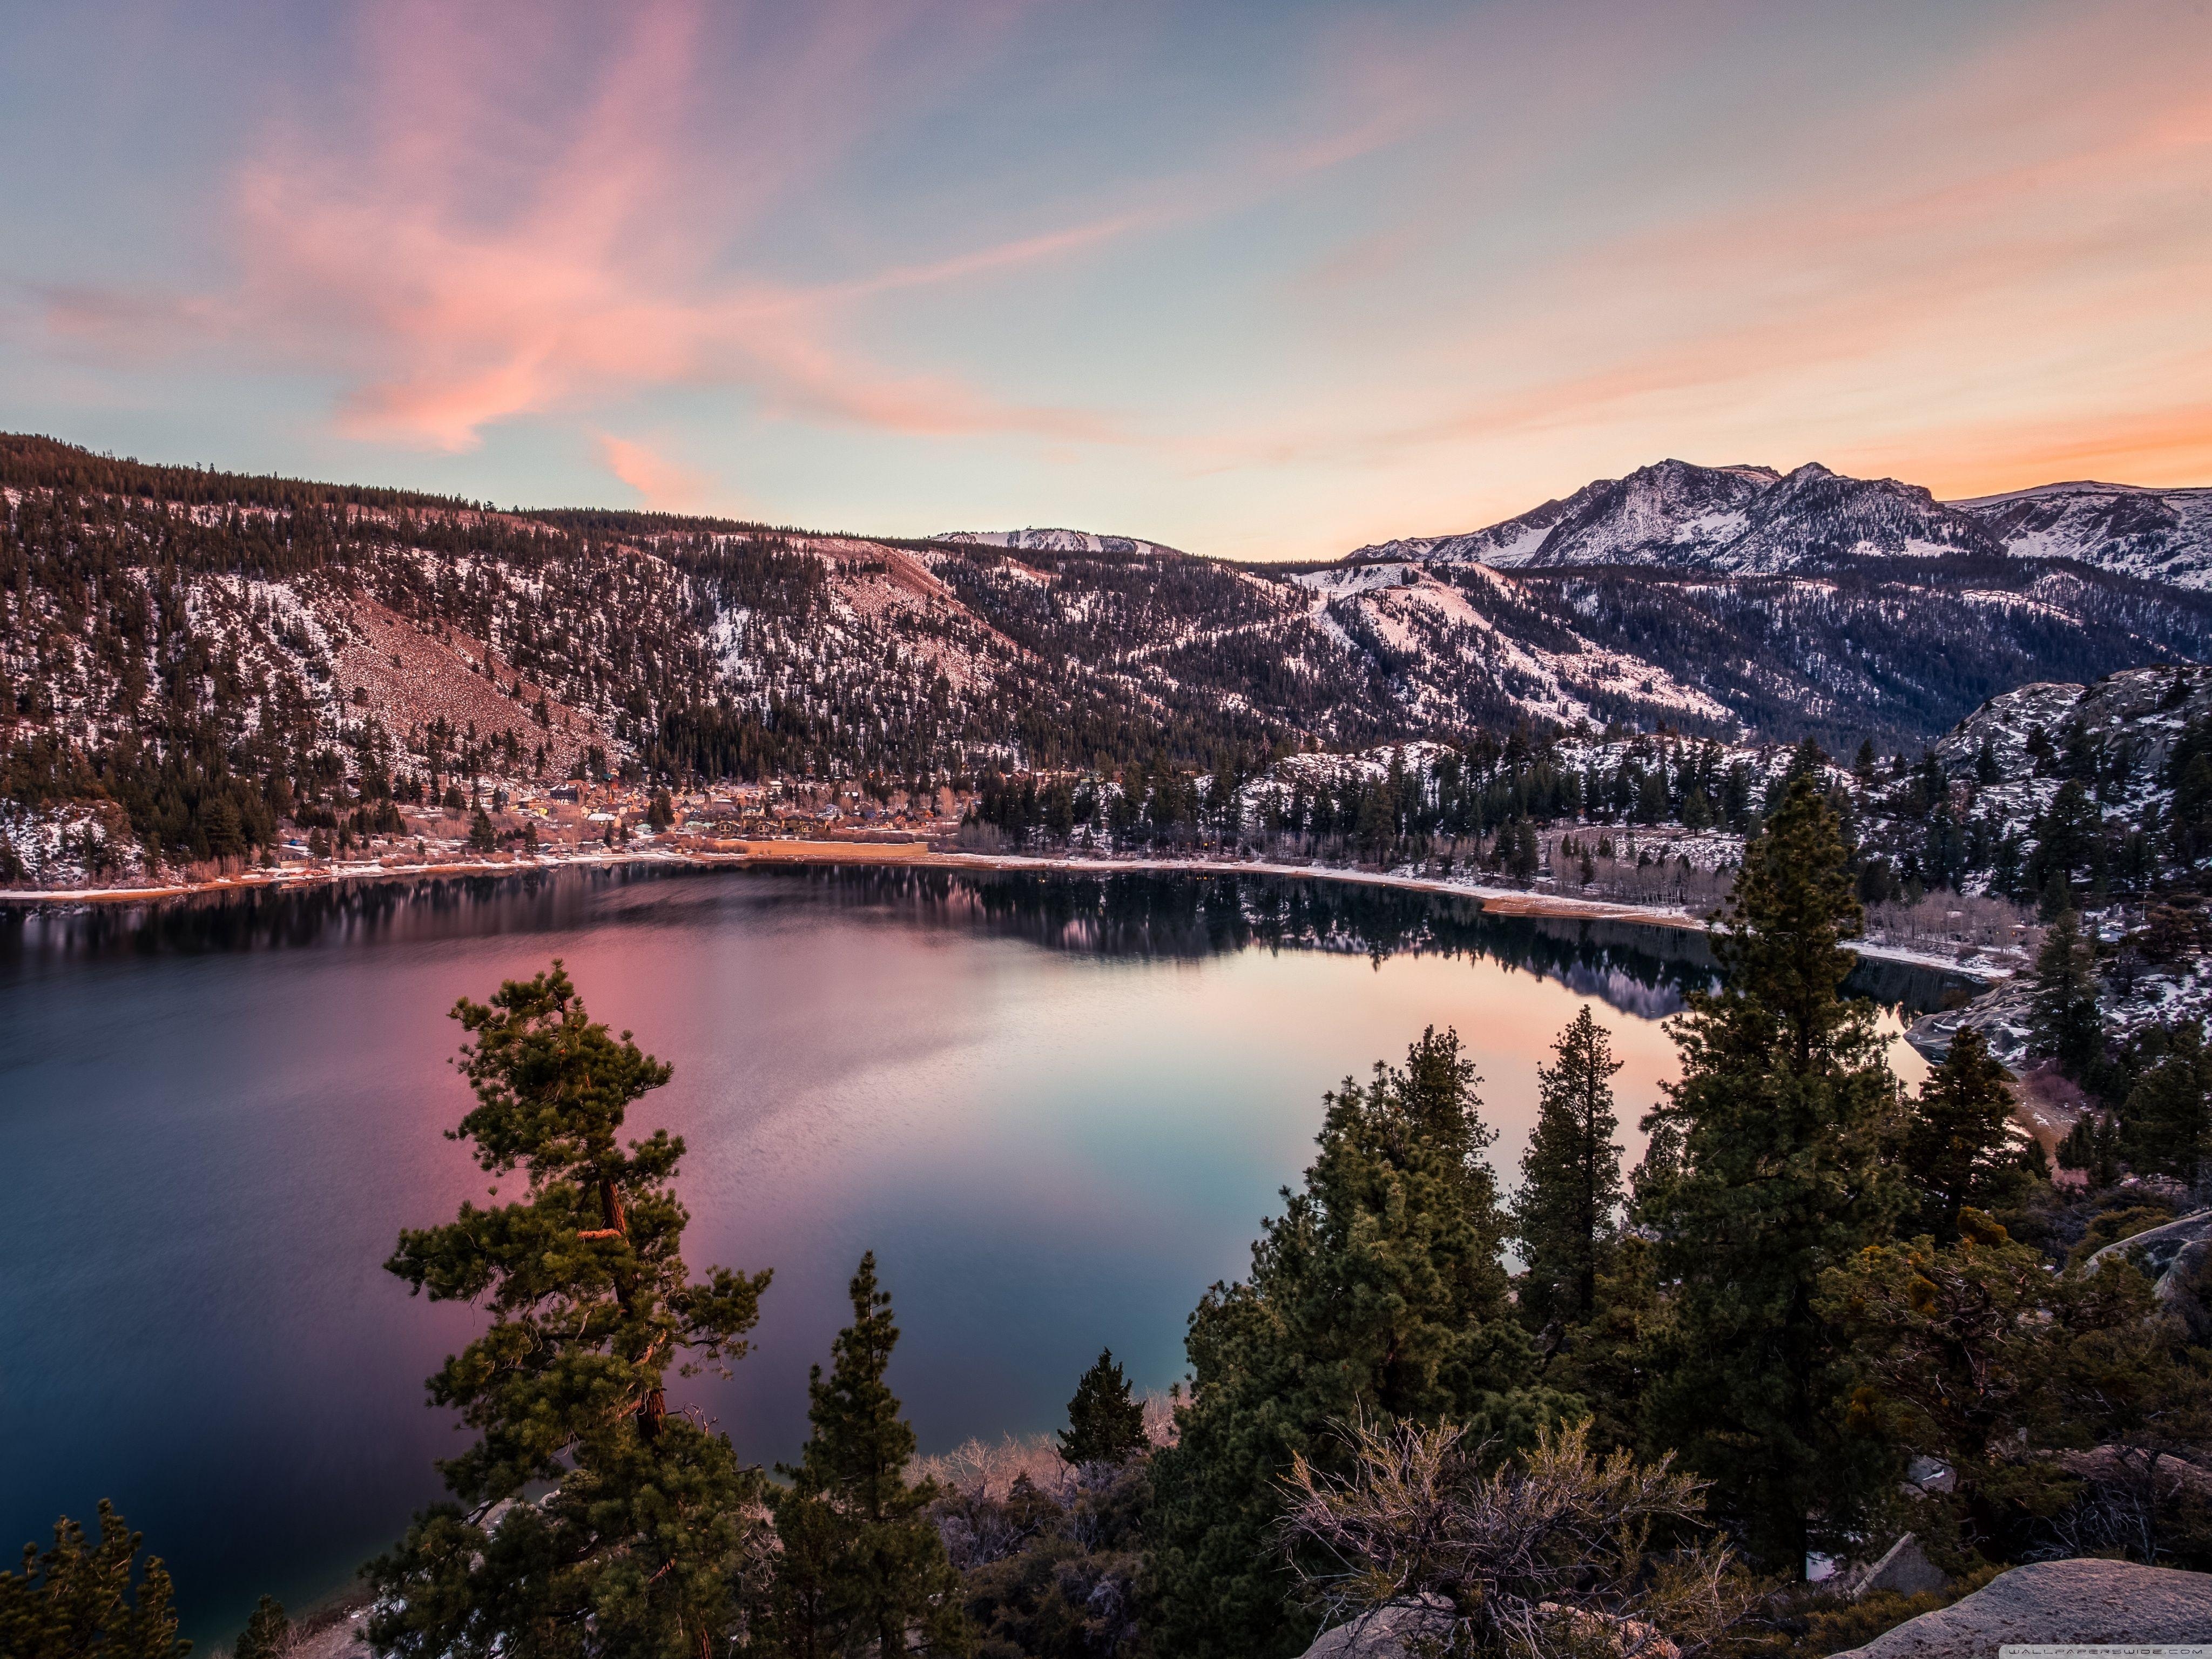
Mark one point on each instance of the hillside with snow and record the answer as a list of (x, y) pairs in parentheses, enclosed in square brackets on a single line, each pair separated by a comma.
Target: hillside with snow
[(210, 654), (2160, 535), (1056, 541), (1755, 521)]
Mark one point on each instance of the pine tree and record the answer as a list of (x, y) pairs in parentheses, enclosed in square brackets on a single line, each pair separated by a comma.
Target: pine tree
[(1979, 1357), (2165, 1123), (1569, 1176), (1105, 1424), (1956, 1154), (1786, 1107), (76, 1601), (862, 1562), (2064, 1004), (1379, 1289), (644, 1545), (268, 1633)]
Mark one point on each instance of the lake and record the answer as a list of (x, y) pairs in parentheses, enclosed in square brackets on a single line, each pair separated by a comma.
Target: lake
[(1056, 1108)]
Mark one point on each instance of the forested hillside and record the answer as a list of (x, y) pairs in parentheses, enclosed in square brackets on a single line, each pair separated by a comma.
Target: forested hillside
[(190, 659)]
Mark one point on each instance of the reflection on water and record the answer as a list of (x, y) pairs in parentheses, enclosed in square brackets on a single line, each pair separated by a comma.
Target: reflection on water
[(1057, 1108), (1636, 968)]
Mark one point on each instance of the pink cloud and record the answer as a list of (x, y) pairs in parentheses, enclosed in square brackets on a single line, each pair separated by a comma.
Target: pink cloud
[(468, 266), (1996, 276), (664, 485), (492, 246)]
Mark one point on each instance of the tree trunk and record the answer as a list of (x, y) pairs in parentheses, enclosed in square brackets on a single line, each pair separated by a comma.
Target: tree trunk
[(654, 1410)]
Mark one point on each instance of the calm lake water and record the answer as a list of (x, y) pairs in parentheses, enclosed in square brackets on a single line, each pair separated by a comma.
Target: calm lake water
[(1056, 1108)]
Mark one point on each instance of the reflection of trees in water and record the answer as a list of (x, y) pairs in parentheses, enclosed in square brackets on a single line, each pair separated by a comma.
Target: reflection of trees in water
[(1161, 915), (1635, 967), (1150, 915), (274, 918)]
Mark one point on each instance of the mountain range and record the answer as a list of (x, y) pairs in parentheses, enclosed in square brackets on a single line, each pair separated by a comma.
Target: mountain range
[(1752, 520), (169, 634)]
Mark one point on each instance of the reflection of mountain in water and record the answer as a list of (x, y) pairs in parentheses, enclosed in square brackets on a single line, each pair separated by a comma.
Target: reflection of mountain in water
[(1640, 969)]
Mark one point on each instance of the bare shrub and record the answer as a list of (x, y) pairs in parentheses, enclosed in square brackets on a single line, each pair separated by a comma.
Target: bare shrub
[(1547, 1558), (1160, 1417), (977, 1468), (1948, 922)]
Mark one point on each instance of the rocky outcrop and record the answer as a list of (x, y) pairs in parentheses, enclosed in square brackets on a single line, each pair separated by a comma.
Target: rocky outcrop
[(1397, 1629), (2050, 1602), (2160, 1246), (2160, 1473), (1390, 1632)]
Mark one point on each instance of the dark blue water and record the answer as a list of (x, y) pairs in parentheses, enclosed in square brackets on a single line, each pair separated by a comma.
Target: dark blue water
[(1056, 1110)]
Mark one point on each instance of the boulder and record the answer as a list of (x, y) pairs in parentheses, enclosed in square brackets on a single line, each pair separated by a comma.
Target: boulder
[(2049, 1601), (2161, 1473), (1904, 1570), (1394, 1630), (1389, 1631)]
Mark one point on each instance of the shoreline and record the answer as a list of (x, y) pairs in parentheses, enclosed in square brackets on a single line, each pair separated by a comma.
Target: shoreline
[(1497, 901)]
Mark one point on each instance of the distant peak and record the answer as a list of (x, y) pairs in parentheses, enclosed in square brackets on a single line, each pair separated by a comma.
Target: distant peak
[(1055, 540)]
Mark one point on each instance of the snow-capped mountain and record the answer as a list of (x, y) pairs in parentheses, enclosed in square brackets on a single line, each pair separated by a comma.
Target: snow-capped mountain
[(1725, 520), (151, 617), (2161, 535), (1056, 541)]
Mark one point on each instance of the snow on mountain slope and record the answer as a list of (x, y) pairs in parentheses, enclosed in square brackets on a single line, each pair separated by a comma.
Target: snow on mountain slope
[(2131, 721), (1057, 541), (1816, 517), (1440, 638), (1673, 514), (2160, 535), (1743, 521), (1511, 542)]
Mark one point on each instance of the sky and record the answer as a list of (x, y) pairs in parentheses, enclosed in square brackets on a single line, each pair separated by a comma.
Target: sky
[(1264, 282)]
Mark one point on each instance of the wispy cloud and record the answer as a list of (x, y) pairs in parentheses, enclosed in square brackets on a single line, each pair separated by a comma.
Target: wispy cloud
[(663, 485), (604, 274)]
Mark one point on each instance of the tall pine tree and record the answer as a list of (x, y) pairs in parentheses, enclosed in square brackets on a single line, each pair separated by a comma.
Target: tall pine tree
[(1787, 1112), (2166, 1122), (1379, 1289), (862, 1568), (2064, 1003), (1956, 1152), (1571, 1188), (644, 1544)]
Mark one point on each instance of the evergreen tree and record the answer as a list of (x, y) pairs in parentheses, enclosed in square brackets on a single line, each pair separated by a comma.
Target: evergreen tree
[(1785, 1108), (2093, 1146), (76, 1601), (1979, 1357), (1955, 1151), (1105, 1424), (1379, 1290), (483, 838), (644, 1545), (2165, 1123), (268, 1633), (2064, 1006), (1570, 1175), (862, 1562)]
